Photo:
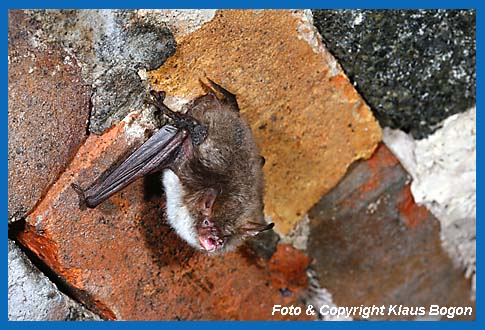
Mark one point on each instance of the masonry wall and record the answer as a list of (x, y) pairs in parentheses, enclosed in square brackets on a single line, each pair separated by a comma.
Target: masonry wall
[(348, 228)]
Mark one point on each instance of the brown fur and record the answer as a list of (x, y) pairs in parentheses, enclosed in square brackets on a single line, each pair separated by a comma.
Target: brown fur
[(229, 162)]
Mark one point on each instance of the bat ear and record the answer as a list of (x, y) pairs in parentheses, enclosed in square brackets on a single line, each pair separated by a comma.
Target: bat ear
[(207, 201), (221, 93), (253, 228)]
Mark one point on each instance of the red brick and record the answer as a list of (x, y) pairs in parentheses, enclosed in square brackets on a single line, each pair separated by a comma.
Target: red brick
[(288, 268), (410, 213), (124, 261)]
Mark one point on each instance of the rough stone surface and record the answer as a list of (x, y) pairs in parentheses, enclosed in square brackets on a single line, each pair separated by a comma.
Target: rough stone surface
[(309, 120), (32, 297), (124, 262), (180, 21), (414, 67), (443, 167), (48, 108), (372, 244), (115, 48)]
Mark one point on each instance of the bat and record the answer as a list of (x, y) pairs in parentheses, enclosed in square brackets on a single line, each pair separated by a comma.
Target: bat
[(211, 172)]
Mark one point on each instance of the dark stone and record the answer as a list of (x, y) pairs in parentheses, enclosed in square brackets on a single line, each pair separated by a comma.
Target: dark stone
[(414, 67), (48, 109), (372, 245)]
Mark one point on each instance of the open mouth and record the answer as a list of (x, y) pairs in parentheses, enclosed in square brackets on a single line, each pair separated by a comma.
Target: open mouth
[(209, 244), (209, 239)]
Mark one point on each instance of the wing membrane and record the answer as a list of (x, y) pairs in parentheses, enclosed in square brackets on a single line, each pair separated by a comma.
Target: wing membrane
[(153, 155)]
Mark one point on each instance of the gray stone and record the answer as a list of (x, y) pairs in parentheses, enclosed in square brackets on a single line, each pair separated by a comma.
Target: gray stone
[(181, 22), (414, 67), (113, 46), (33, 297)]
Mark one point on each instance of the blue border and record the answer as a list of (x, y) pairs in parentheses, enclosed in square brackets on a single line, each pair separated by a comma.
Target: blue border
[(377, 4), (479, 104), (480, 323)]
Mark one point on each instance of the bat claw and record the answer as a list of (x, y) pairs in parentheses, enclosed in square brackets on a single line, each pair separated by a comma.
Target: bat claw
[(81, 194), (156, 99), (197, 131), (158, 96)]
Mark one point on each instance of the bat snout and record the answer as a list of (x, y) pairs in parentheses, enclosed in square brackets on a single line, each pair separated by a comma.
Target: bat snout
[(209, 237)]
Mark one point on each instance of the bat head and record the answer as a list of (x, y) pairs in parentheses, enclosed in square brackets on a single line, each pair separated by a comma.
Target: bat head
[(215, 233)]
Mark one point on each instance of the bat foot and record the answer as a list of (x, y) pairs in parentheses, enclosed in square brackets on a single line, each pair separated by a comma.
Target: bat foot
[(198, 134), (159, 97), (197, 131)]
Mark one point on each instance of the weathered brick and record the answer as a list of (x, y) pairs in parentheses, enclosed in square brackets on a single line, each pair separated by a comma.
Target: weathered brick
[(372, 244)]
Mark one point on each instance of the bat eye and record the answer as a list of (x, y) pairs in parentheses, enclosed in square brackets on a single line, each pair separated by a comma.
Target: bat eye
[(205, 223)]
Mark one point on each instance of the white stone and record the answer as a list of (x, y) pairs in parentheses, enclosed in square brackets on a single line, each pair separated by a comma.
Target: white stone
[(298, 237)]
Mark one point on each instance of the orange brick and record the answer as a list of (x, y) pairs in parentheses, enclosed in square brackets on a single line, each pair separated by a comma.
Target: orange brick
[(310, 122)]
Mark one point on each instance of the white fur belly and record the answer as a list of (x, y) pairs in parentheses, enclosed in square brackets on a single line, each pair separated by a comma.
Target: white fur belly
[(177, 213)]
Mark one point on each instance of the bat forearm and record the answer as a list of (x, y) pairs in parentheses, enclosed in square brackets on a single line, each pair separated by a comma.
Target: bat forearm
[(155, 154)]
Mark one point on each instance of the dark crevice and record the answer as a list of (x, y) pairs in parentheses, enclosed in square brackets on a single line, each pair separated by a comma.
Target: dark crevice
[(90, 111), (14, 229)]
